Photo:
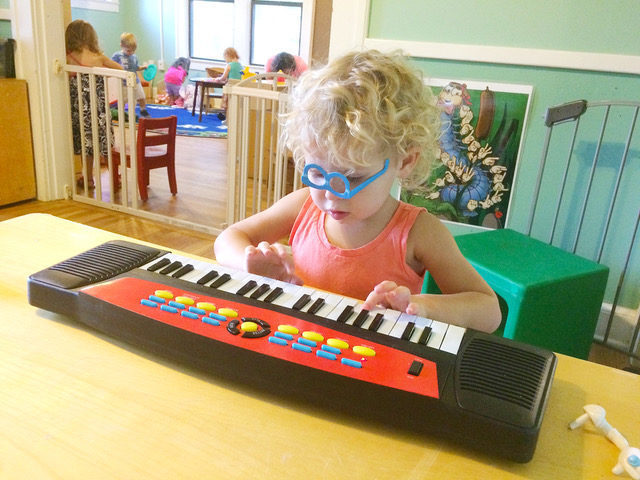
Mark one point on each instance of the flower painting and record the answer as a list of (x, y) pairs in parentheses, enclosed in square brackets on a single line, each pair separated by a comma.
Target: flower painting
[(480, 140)]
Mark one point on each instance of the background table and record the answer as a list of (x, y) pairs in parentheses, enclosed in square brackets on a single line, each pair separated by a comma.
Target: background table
[(203, 84), (76, 404)]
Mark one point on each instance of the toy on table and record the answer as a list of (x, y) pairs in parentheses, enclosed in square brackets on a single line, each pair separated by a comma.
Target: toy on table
[(629, 458)]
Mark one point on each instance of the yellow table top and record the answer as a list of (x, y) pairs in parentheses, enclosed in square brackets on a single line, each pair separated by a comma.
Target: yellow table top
[(77, 404)]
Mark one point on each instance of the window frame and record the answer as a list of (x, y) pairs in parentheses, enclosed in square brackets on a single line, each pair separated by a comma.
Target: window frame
[(242, 29)]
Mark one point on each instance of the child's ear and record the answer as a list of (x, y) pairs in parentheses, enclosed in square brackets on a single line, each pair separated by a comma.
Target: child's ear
[(407, 164)]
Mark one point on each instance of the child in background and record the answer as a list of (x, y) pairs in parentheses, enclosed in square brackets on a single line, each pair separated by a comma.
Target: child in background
[(83, 49), (233, 71), (357, 125), (175, 77), (129, 61), (286, 63)]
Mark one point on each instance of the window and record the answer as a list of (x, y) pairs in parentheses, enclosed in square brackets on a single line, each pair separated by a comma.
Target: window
[(258, 29), (106, 5)]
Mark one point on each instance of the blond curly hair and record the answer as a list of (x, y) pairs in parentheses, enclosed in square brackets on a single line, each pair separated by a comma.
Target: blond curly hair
[(364, 107)]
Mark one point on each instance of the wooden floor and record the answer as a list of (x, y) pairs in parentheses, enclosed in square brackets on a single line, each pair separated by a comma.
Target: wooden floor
[(201, 175)]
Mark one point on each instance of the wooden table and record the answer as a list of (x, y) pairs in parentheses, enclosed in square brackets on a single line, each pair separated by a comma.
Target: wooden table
[(75, 404), (203, 84)]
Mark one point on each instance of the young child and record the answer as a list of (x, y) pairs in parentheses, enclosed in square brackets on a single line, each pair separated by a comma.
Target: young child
[(129, 61), (232, 71), (83, 49), (355, 126), (175, 77)]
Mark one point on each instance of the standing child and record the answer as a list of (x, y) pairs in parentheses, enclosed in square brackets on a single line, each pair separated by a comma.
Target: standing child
[(129, 61), (232, 71), (175, 77), (83, 49), (356, 126)]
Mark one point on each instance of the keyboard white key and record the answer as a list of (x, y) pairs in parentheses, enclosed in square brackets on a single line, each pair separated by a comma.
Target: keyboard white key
[(452, 339)]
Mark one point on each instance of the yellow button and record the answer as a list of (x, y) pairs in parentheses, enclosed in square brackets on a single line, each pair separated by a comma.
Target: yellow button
[(336, 343), (163, 294), (364, 351), (249, 326), (185, 300), (315, 336), (208, 306), (228, 312), (290, 329)]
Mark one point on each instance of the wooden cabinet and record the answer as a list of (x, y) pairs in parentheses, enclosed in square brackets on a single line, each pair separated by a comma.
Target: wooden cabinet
[(17, 171)]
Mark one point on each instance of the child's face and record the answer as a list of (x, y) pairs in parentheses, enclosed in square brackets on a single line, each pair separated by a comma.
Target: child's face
[(366, 202), (129, 50)]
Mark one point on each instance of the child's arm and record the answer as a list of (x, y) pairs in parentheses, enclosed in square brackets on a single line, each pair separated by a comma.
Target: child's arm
[(108, 63), (225, 74), (466, 299), (251, 244)]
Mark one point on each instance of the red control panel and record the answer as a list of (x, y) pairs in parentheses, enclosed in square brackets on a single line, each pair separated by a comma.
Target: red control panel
[(272, 333)]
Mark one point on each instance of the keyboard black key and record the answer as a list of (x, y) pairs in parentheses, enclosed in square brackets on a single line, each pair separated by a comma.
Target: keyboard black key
[(170, 268), (377, 321), (315, 306), (261, 290), (346, 313), (275, 293), (424, 336), (302, 301), (361, 318), (207, 277), (221, 280), (247, 287), (183, 271), (408, 330), (163, 262)]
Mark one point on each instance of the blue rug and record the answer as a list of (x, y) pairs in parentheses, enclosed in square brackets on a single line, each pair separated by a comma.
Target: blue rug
[(188, 125)]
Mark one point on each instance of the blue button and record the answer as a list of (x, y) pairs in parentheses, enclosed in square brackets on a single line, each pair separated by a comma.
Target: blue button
[(169, 309), (177, 304), (330, 349), (155, 298), (211, 321), (217, 316), (188, 314), (286, 336), (197, 310), (327, 355), (307, 342), (148, 303), (278, 341), (302, 348), (351, 363)]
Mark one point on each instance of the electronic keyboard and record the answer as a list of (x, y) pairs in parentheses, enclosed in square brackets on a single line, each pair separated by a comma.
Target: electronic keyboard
[(486, 392)]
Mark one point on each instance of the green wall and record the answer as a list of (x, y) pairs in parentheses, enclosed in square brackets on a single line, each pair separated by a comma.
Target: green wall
[(587, 26), (5, 28)]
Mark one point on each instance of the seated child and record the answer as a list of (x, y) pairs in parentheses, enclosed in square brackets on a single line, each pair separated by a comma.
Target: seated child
[(175, 77), (233, 71), (129, 61), (355, 126)]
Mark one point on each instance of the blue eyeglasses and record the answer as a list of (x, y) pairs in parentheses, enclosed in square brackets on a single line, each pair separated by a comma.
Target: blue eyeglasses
[(315, 176)]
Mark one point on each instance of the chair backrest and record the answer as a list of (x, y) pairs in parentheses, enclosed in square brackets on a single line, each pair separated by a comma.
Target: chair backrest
[(156, 132)]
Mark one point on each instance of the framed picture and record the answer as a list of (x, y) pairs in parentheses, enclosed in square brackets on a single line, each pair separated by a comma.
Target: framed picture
[(479, 147)]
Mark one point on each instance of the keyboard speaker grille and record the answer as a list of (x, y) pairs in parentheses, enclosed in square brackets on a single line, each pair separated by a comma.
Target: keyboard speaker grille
[(504, 380), (98, 264)]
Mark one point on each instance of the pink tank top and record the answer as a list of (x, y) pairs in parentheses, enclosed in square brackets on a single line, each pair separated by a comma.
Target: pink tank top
[(353, 272)]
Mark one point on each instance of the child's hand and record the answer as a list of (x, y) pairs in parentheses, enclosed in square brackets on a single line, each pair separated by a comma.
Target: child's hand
[(388, 294), (271, 260)]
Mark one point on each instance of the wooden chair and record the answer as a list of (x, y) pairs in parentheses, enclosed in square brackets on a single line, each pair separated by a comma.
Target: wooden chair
[(155, 148)]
